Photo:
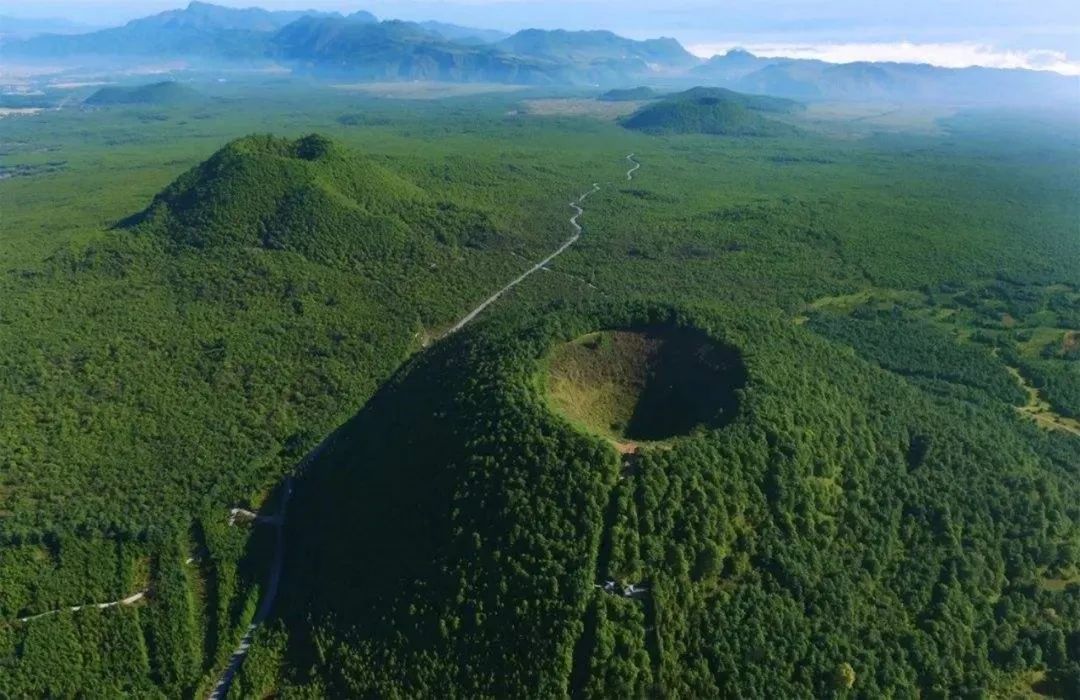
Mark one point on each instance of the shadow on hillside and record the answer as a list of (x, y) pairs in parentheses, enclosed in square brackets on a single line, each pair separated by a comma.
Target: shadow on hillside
[(370, 513), (692, 381)]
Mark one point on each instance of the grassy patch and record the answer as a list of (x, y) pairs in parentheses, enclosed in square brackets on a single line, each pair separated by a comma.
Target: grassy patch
[(873, 298), (580, 107), (427, 90)]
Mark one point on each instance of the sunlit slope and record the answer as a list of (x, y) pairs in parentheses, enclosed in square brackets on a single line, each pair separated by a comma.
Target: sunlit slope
[(307, 196)]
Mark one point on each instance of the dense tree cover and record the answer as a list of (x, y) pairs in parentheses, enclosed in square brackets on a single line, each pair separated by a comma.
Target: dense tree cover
[(1059, 382), (40, 576), (922, 353), (846, 528), (147, 384), (1035, 329), (98, 653), (218, 340), (150, 383), (198, 390), (498, 506), (258, 676), (313, 198), (200, 590), (1027, 328)]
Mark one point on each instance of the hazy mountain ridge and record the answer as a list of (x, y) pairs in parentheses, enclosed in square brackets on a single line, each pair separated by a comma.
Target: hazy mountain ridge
[(642, 92), (863, 80), (598, 45), (26, 27), (361, 47), (456, 32), (199, 30), (394, 50)]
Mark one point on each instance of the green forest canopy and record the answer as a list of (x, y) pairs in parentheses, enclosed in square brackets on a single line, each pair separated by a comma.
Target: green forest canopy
[(879, 496), (815, 550)]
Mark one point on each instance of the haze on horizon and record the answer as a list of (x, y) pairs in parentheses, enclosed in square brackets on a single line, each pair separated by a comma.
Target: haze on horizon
[(1007, 34)]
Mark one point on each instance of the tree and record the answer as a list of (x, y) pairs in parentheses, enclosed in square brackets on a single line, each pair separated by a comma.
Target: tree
[(844, 676)]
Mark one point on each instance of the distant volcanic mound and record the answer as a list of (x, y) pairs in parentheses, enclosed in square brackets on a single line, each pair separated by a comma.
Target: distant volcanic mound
[(309, 196), (164, 93), (640, 93), (713, 111)]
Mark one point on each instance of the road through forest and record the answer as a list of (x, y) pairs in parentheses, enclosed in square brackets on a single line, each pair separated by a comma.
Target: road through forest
[(221, 688), (578, 211)]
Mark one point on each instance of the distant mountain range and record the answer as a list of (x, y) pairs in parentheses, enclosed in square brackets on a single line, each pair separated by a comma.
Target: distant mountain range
[(200, 30), (599, 47), (340, 46), (361, 47), (817, 80), (24, 28), (465, 35)]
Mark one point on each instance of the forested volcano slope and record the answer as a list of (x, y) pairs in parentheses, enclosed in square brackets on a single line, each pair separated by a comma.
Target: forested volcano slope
[(456, 540), (179, 365), (713, 111), (307, 196), (899, 519), (271, 252)]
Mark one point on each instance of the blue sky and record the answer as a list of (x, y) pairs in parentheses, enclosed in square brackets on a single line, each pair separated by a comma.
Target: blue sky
[(1003, 33)]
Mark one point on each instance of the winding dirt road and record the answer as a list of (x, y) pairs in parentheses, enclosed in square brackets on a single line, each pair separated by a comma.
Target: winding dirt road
[(578, 211), (130, 600)]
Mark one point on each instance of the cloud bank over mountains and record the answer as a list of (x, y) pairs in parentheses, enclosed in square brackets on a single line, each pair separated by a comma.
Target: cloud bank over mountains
[(941, 54), (1044, 35)]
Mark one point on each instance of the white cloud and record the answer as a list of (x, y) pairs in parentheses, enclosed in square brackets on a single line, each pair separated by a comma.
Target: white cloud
[(947, 55)]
